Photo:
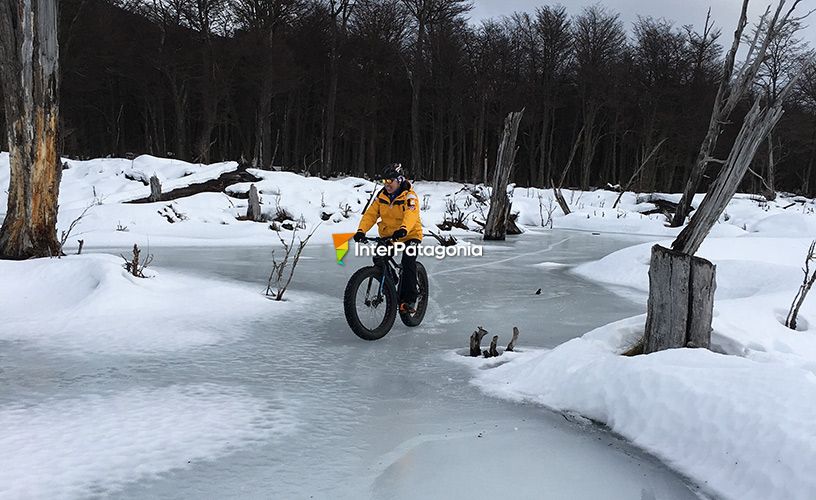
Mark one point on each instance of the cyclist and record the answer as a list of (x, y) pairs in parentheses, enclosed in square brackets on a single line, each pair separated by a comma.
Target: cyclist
[(397, 208)]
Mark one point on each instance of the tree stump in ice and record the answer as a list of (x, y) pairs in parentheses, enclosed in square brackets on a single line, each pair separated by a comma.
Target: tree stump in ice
[(155, 189), (492, 351), (512, 343), (476, 341), (681, 301), (254, 206), (496, 224)]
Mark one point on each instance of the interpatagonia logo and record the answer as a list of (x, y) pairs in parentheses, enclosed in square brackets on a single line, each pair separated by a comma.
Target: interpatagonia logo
[(341, 245)]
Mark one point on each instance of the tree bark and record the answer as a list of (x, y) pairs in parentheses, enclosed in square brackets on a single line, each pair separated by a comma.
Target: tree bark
[(770, 174), (29, 69), (496, 224), (331, 106), (681, 301), (415, 77), (155, 189), (254, 205), (758, 123)]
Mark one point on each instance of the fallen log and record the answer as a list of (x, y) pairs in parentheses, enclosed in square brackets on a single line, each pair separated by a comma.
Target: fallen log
[(218, 185)]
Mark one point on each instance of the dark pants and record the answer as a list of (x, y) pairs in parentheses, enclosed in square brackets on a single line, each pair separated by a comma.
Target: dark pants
[(408, 283)]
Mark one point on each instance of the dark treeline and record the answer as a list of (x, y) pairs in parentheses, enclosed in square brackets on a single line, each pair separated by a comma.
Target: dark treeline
[(335, 86)]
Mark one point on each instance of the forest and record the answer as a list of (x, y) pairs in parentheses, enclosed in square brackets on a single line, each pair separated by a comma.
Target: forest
[(342, 87)]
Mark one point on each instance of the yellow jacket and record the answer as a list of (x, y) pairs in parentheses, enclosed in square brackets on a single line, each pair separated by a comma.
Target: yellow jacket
[(403, 212)]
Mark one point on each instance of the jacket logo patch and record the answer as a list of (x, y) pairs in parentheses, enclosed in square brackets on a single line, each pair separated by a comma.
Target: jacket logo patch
[(412, 204)]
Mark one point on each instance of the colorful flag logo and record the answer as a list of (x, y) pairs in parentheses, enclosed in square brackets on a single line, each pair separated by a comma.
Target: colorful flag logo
[(341, 245)]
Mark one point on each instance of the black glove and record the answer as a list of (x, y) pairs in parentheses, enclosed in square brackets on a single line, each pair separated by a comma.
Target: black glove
[(400, 233), (359, 236)]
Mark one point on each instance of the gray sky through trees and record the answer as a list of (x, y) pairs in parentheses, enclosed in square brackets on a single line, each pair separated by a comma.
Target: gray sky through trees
[(724, 12)]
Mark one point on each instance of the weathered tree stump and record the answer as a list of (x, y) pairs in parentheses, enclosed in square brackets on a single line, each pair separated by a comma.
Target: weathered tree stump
[(681, 301), (476, 341), (496, 223), (81, 244), (512, 344), (254, 207), (155, 189), (492, 352)]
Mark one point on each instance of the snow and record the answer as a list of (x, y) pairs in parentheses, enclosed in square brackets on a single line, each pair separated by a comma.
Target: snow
[(737, 419), (742, 429), (335, 205), (90, 304), (96, 443)]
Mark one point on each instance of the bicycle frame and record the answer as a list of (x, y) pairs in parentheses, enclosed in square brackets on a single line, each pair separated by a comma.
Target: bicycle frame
[(391, 270)]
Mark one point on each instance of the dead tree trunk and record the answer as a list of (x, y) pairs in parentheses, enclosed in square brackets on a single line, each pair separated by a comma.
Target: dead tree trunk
[(557, 187), (512, 344), (770, 174), (29, 70), (637, 171), (492, 351), (254, 206), (804, 288), (681, 301), (681, 287), (155, 189), (476, 341), (496, 224), (730, 93), (758, 123)]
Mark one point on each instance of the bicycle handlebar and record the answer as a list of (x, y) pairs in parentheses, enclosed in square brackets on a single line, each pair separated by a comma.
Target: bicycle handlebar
[(377, 239)]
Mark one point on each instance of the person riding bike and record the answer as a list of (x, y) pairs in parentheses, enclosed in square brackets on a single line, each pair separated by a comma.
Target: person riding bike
[(397, 208)]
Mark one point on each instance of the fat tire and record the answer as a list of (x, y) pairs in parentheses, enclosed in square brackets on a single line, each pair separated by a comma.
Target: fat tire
[(350, 307)]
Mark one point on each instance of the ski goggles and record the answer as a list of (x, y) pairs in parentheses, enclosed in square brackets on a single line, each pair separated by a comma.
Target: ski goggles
[(390, 180)]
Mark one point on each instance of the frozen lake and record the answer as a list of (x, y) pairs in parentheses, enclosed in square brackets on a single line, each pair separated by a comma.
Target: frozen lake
[(387, 419)]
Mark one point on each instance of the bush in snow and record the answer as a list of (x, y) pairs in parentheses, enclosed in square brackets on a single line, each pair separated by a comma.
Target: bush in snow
[(136, 265), (804, 288), (284, 270)]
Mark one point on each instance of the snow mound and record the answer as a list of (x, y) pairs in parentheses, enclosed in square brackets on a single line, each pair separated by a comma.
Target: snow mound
[(89, 303), (691, 407), (786, 225), (759, 266), (94, 444)]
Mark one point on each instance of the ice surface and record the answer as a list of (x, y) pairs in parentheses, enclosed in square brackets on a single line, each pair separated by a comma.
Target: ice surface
[(387, 419), (740, 420), (96, 443)]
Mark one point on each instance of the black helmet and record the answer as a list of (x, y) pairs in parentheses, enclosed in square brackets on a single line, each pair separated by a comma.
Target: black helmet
[(393, 171)]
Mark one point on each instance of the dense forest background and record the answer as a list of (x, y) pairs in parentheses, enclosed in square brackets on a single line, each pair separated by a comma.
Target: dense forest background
[(336, 86)]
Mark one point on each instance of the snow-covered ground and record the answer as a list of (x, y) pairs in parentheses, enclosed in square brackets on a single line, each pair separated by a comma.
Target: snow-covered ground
[(736, 420), (739, 420), (333, 206)]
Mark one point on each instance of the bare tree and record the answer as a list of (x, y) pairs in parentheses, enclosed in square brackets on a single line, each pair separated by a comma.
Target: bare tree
[(599, 39), (783, 58), (733, 87), (496, 224), (282, 271), (804, 288), (29, 70), (681, 286), (425, 14), (339, 12)]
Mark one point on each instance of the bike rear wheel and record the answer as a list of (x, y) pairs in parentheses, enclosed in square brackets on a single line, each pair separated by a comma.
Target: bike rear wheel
[(422, 299), (369, 303)]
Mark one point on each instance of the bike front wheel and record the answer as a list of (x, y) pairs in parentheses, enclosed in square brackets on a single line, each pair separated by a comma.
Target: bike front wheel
[(370, 303)]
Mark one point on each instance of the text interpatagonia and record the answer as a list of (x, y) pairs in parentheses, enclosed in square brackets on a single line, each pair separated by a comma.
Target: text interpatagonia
[(418, 250)]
